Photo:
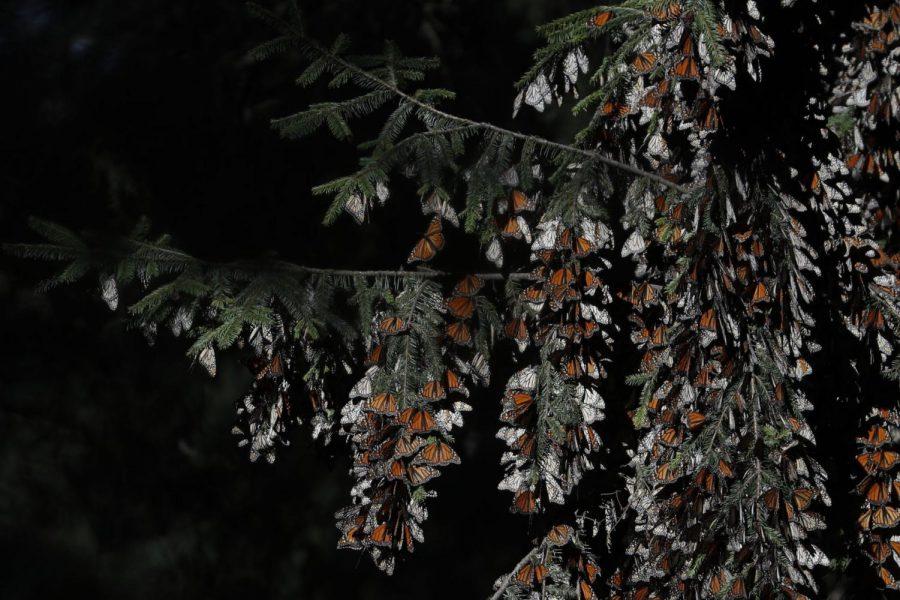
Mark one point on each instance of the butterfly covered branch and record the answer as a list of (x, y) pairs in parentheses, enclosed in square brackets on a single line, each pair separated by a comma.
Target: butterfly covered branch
[(712, 264)]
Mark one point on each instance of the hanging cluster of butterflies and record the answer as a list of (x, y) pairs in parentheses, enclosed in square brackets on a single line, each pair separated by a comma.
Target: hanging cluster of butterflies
[(560, 562), (868, 91), (720, 287), (667, 96), (879, 523), (561, 325), (401, 414), (285, 372)]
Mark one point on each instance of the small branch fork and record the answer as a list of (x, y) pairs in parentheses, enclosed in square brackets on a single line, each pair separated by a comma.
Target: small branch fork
[(508, 578)]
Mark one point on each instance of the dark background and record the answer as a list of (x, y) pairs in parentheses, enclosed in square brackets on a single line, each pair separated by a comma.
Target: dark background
[(118, 474)]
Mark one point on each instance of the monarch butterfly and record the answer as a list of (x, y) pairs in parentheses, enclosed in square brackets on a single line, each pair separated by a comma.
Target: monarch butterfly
[(519, 202), (585, 589), (534, 295), (517, 330), (687, 68), (664, 13), (671, 436), (521, 402), (695, 420), (381, 535), (525, 444), (385, 404), (589, 328), (666, 473), (419, 474), (374, 357), (876, 437), (460, 333), (560, 535), (641, 593), (589, 569), (610, 108), (358, 206), (760, 293), (429, 245), (888, 579), (438, 453), (617, 580), (574, 368), (562, 277), (879, 551), (581, 247), (525, 574), (600, 19), (684, 362), (770, 499), (454, 383), (525, 502), (590, 281), (392, 325), (273, 368), (708, 320), (803, 497), (705, 480), (417, 420), (643, 294), (468, 286), (643, 62), (461, 307), (513, 227), (880, 460), (407, 446), (876, 492), (711, 119), (687, 43), (352, 538), (717, 583), (738, 588), (396, 470), (433, 390), (725, 469), (881, 517)]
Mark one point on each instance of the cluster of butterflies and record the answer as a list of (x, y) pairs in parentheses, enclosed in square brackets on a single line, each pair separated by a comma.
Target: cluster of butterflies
[(265, 414), (878, 458), (868, 89), (703, 398), (549, 408), (665, 104), (401, 438), (560, 562), (700, 309)]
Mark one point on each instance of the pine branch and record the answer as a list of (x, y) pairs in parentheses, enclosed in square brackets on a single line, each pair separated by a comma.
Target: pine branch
[(508, 578), (469, 123)]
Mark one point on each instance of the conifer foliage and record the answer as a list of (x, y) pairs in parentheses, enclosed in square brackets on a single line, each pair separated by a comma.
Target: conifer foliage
[(706, 255)]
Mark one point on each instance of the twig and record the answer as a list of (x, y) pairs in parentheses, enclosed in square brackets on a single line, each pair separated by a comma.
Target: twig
[(328, 54), (507, 579)]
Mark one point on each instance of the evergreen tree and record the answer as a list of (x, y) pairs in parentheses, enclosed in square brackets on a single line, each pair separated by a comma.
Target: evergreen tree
[(723, 218)]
